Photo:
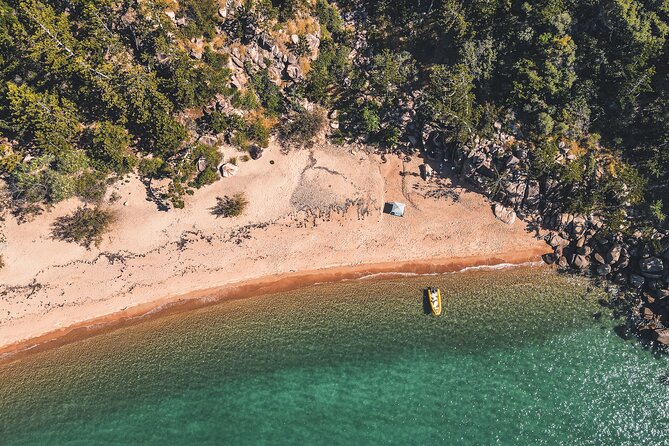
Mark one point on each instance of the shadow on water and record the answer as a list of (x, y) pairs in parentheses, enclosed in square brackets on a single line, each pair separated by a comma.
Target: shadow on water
[(427, 309)]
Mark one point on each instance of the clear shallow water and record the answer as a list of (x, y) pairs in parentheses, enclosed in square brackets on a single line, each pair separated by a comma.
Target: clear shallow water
[(516, 359)]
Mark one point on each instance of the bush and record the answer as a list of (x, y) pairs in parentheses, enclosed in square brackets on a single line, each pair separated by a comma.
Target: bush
[(85, 226), (108, 148), (304, 127), (149, 167), (90, 186), (230, 206), (206, 177)]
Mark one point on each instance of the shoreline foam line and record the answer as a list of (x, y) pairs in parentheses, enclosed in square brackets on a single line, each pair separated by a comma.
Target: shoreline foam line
[(257, 287)]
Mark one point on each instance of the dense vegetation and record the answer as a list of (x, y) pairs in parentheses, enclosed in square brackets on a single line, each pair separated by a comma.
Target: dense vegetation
[(589, 74), (94, 89)]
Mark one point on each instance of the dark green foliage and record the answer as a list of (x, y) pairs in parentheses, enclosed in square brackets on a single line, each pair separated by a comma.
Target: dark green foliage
[(150, 167), (268, 93), (85, 226), (230, 206), (91, 186), (87, 85), (211, 159), (332, 25), (328, 72), (202, 17), (240, 131), (109, 148), (304, 127)]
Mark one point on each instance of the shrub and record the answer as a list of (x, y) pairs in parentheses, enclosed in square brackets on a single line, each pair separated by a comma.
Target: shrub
[(108, 148), (304, 127), (149, 167), (90, 186), (230, 206), (85, 226), (206, 177)]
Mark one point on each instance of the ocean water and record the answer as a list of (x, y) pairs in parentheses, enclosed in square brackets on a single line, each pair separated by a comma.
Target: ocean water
[(517, 358)]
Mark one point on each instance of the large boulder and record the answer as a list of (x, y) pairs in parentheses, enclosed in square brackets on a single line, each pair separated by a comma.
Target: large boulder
[(613, 255), (532, 194), (651, 267), (636, 281), (515, 191), (598, 258), (578, 226), (581, 262), (563, 221), (255, 152), (556, 241), (208, 140), (660, 335), (550, 258), (504, 214), (603, 270)]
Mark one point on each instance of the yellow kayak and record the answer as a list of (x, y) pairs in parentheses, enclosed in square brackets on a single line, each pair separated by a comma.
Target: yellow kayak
[(434, 296)]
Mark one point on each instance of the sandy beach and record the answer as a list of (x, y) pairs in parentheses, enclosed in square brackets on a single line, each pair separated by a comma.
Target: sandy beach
[(313, 216)]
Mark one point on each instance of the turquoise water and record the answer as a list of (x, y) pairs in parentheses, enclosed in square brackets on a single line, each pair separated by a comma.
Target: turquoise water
[(517, 359)]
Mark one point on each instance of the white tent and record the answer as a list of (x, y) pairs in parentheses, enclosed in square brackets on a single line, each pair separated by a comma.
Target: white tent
[(396, 209)]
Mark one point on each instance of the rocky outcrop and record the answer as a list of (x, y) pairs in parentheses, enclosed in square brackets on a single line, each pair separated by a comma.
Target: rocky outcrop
[(500, 168)]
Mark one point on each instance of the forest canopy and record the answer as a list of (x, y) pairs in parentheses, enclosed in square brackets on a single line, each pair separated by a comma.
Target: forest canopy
[(95, 89)]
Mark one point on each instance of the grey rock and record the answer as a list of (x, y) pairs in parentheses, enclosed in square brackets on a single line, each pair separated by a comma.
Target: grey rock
[(563, 262), (516, 192), (598, 258), (636, 281), (584, 250), (581, 262), (620, 278), (578, 226), (660, 335), (651, 265), (294, 72), (654, 284), (660, 294), (550, 258), (564, 220), (556, 241), (255, 152), (533, 194), (604, 270), (201, 164), (613, 255), (208, 140), (504, 214)]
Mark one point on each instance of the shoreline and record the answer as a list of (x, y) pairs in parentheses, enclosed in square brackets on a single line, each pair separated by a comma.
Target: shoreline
[(260, 286)]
